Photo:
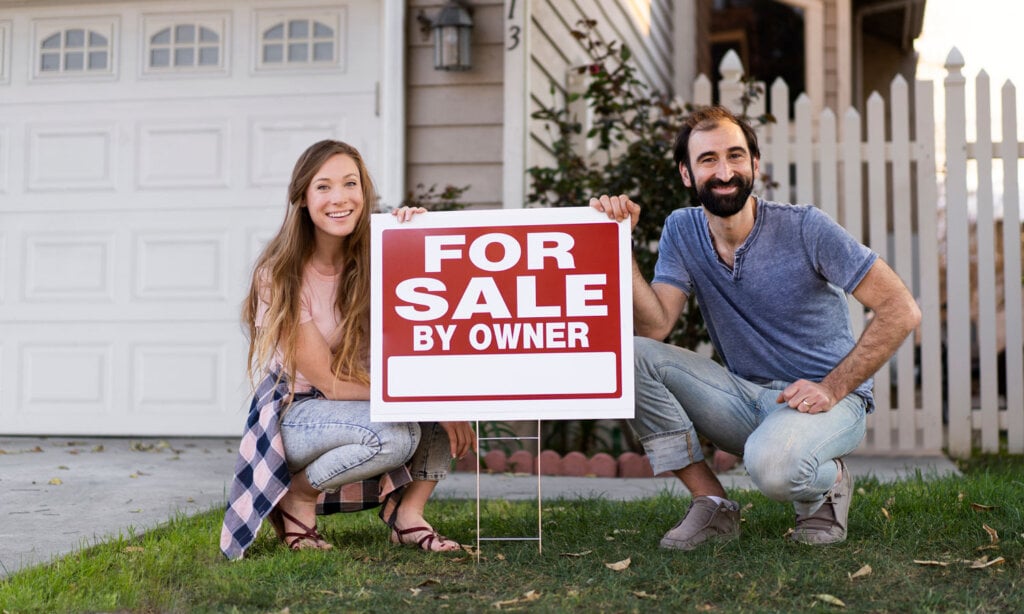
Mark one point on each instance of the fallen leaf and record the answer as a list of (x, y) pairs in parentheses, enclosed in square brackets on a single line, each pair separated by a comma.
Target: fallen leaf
[(829, 599), (626, 531), (644, 595), (190, 500), (531, 596), (890, 501), (609, 538), (415, 591), (960, 496), (788, 532), (706, 607), (527, 597), (932, 563), (860, 573), (55, 482), (619, 565), (98, 448), (746, 508), (576, 554), (885, 513), (133, 549), (993, 536), (979, 507), (500, 556), (983, 562)]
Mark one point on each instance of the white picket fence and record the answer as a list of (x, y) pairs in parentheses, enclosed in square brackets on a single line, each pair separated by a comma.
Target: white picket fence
[(891, 198)]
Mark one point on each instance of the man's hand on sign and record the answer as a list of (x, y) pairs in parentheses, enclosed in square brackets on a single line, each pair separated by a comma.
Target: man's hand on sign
[(404, 214), (618, 208), (461, 436)]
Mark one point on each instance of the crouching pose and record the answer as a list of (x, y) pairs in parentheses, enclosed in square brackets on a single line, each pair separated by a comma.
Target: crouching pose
[(771, 282), (309, 445)]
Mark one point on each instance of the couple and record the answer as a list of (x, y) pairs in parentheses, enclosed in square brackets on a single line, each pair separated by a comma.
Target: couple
[(771, 281)]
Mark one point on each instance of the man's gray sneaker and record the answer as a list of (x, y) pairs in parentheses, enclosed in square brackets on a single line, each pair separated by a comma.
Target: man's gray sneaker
[(828, 524), (704, 520)]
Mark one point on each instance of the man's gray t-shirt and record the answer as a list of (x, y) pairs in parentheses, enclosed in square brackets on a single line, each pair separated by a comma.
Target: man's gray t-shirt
[(781, 312)]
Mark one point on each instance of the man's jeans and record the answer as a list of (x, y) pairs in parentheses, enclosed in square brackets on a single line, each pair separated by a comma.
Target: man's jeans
[(788, 454), (337, 444)]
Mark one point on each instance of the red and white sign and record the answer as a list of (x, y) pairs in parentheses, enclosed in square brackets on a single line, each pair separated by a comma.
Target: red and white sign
[(501, 315)]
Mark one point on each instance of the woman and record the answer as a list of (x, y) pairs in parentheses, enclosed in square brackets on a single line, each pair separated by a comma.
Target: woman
[(309, 431)]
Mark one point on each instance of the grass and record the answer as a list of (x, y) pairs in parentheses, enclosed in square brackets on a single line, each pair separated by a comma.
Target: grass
[(178, 567)]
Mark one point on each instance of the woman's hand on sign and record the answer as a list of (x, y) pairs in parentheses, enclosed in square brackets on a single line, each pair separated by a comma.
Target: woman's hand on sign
[(617, 208), (404, 214), (461, 436)]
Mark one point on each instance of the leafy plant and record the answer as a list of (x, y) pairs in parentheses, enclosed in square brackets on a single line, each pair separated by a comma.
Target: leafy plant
[(434, 199)]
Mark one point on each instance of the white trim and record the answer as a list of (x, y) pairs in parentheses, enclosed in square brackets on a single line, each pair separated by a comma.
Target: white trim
[(814, 50), (514, 132), (390, 168), (684, 48), (5, 51), (844, 55)]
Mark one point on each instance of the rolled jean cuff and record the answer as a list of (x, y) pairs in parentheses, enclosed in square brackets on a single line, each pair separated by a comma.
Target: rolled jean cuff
[(673, 450), (429, 476)]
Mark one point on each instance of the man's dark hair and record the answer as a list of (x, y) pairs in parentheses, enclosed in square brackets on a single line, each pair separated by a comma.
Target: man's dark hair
[(707, 118)]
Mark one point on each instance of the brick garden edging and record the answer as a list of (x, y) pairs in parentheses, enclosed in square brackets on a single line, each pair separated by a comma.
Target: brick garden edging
[(628, 465)]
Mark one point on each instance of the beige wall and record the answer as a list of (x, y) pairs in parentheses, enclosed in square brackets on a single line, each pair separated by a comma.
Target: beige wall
[(454, 119)]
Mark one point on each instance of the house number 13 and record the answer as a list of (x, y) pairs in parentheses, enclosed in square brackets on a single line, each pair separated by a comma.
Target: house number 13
[(514, 31)]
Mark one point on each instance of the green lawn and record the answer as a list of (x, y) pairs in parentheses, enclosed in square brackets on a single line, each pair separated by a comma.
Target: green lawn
[(923, 545)]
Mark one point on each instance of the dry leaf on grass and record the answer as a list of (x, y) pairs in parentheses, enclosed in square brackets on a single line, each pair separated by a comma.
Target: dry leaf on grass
[(526, 598), (932, 563), (981, 507), (829, 599), (55, 482), (576, 554), (983, 562), (133, 549), (993, 535), (885, 513), (644, 595), (619, 565), (860, 573)]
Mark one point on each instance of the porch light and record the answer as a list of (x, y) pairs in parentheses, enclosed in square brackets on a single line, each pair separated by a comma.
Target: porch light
[(453, 33)]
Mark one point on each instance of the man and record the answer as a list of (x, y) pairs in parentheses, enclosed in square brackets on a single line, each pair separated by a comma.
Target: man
[(771, 282)]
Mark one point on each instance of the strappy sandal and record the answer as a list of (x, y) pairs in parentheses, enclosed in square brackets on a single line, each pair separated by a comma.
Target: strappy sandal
[(309, 539), (399, 536)]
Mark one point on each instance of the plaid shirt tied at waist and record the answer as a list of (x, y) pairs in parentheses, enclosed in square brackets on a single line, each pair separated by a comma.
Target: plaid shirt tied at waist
[(262, 476)]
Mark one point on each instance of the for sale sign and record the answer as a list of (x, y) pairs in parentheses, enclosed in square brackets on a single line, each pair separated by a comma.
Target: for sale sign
[(501, 315)]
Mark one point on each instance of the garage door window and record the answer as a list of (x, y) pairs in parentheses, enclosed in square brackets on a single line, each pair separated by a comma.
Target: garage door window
[(298, 41), (75, 50), (185, 46)]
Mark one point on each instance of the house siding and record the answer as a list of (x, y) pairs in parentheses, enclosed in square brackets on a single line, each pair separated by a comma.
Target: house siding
[(454, 119), (643, 25)]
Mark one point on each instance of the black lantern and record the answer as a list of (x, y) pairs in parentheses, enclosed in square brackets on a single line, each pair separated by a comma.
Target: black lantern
[(453, 31)]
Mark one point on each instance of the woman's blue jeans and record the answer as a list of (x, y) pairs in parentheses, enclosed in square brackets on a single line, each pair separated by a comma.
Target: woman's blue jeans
[(336, 443), (788, 454)]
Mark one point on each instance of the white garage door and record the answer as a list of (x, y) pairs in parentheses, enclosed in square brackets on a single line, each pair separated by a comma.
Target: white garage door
[(145, 150)]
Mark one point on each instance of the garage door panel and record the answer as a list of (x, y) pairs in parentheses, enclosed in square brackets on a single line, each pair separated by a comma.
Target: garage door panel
[(74, 376), (136, 201)]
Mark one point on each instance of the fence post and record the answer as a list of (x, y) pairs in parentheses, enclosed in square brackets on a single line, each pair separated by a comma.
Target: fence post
[(1010, 153), (928, 268), (958, 280)]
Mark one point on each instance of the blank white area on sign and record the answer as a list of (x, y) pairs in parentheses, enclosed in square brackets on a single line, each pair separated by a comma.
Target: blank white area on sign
[(502, 375), (183, 156)]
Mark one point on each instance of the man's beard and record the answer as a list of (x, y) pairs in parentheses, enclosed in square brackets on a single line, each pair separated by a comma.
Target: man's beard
[(725, 205)]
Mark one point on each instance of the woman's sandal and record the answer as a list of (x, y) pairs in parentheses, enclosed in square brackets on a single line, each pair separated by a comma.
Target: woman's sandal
[(309, 539), (407, 537)]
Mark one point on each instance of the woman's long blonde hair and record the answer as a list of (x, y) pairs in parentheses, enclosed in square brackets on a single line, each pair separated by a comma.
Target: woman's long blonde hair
[(277, 278)]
